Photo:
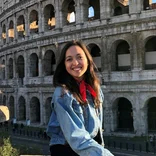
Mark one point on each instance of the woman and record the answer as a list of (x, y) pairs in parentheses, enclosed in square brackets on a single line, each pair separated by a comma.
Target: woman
[(75, 125)]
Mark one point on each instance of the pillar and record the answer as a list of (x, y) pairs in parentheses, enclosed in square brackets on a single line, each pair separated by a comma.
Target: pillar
[(15, 28), (105, 9), (41, 108), (135, 6)]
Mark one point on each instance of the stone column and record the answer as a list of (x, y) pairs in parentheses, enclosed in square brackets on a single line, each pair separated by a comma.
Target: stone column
[(40, 61), (27, 102), (105, 9), (107, 120), (26, 66), (135, 6), (1, 40), (104, 54), (58, 16), (7, 30), (135, 120), (27, 30), (42, 29), (143, 122), (16, 108), (15, 28), (114, 119), (78, 16), (14, 66), (133, 51), (83, 12), (6, 67), (136, 60), (41, 108), (40, 13)]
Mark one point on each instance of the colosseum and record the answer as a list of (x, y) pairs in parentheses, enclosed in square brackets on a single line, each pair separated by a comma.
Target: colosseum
[(121, 36)]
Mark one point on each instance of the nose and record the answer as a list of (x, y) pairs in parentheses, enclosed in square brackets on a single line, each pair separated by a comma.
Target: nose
[(75, 62)]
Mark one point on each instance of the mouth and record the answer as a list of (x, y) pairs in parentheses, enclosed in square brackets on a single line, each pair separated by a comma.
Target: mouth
[(76, 69)]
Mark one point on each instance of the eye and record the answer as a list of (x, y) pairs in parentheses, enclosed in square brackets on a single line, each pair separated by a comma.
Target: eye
[(80, 57), (68, 59)]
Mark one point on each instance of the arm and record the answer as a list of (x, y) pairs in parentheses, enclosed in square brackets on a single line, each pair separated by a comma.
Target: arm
[(74, 130)]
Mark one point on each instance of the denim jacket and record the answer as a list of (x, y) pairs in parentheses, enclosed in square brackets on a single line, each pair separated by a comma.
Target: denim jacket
[(75, 124)]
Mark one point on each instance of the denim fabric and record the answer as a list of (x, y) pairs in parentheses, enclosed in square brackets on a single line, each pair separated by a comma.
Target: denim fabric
[(75, 124)]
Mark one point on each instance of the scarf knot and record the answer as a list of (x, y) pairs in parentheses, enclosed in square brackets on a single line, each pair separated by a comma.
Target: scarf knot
[(83, 87)]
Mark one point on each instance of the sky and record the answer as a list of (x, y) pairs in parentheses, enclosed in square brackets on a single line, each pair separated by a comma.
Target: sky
[(153, 1)]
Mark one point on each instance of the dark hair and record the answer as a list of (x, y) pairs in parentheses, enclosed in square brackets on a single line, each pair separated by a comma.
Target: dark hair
[(64, 79)]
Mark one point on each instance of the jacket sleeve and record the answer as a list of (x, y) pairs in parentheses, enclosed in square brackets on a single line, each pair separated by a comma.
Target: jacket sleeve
[(73, 128)]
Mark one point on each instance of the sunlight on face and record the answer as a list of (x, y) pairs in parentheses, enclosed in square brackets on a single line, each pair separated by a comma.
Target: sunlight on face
[(76, 62)]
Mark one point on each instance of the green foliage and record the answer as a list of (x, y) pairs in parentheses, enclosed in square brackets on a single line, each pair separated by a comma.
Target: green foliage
[(26, 150), (7, 150)]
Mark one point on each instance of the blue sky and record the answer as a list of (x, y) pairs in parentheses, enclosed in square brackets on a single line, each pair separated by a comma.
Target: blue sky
[(153, 1)]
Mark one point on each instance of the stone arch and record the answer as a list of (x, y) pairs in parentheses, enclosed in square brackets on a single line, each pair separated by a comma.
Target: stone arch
[(121, 57), (33, 20), (96, 54), (68, 11), (151, 113), (11, 31), (34, 110), (4, 33), (49, 17), (20, 66), (10, 68), (3, 70), (21, 26), (121, 7), (117, 11), (4, 100), (49, 63), (22, 109), (147, 4), (47, 109), (12, 107), (123, 115), (150, 53), (34, 65), (96, 8)]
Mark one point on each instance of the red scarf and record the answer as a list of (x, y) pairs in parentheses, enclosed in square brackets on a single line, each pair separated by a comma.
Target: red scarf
[(83, 87)]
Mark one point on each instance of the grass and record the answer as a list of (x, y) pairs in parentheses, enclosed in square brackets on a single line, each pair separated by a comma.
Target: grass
[(7, 149)]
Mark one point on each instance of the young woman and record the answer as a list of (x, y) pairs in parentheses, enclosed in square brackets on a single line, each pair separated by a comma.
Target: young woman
[(75, 125)]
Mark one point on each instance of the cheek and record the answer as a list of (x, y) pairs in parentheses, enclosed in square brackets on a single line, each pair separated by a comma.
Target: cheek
[(85, 64), (66, 66)]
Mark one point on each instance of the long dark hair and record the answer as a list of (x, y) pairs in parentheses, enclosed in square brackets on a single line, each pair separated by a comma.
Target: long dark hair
[(64, 79)]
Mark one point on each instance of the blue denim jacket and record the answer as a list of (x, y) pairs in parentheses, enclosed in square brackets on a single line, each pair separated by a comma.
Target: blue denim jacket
[(75, 124)]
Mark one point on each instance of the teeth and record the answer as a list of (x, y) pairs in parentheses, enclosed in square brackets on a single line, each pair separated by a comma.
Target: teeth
[(76, 69)]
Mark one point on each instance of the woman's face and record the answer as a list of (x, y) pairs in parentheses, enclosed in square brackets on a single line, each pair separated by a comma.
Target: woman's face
[(76, 62)]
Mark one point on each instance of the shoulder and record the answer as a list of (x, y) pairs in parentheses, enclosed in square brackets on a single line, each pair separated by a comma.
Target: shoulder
[(62, 97), (60, 91)]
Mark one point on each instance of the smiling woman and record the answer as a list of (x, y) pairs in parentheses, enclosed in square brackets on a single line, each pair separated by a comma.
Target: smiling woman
[(77, 100)]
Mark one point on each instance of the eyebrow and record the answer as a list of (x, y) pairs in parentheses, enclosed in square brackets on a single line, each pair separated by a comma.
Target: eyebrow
[(71, 56)]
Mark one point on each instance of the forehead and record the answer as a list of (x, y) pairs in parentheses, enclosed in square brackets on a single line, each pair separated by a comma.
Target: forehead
[(74, 50)]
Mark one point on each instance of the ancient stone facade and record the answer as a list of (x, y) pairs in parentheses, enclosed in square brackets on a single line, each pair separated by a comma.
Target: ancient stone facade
[(121, 36)]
